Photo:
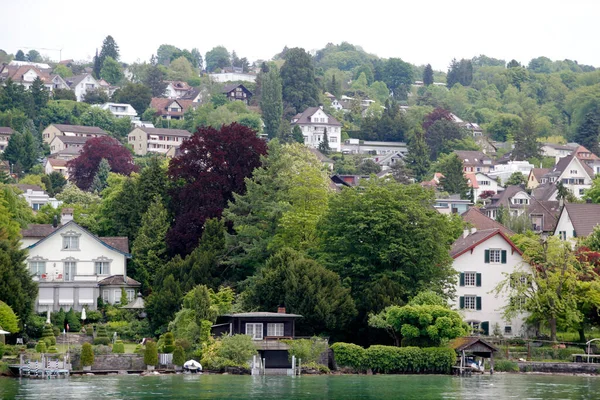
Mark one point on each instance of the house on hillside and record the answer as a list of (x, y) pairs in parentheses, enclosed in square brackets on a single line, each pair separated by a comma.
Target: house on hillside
[(54, 130), (543, 215), (536, 177), (5, 134), (376, 148), (56, 165), (82, 84), (504, 170), (73, 267), (484, 258), (60, 143), (25, 75), (176, 89), (67, 154), (556, 151), (475, 218), (577, 220), (232, 75), (452, 204), (482, 184), (237, 92), (315, 123), (156, 140), (171, 108), (475, 161), (514, 199), (37, 197), (267, 329), (573, 173), (119, 110), (588, 158)]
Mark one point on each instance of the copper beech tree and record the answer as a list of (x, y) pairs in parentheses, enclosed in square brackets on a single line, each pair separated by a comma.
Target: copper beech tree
[(213, 165)]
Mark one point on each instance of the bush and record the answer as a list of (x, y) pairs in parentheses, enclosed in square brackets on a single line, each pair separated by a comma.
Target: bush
[(151, 353), (48, 335), (73, 320), (52, 350), (308, 350), (35, 326), (87, 355), (237, 348), (349, 355), (178, 356), (2, 350), (101, 336), (40, 347), (169, 343), (506, 366), (118, 347), (548, 353), (93, 316), (101, 349), (139, 349)]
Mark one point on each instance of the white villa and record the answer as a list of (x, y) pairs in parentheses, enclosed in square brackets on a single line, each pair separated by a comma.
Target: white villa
[(314, 122), (577, 220), (119, 110)]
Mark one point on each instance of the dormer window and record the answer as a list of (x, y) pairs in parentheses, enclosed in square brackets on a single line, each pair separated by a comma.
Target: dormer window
[(70, 240)]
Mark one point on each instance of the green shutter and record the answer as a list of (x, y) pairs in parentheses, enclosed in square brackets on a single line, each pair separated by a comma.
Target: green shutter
[(462, 302), (478, 303), (503, 256), (485, 327), (487, 256), (574, 233), (478, 279), (462, 279)]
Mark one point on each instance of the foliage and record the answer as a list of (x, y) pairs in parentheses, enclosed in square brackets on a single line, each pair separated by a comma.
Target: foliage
[(506, 366), (73, 319), (87, 355), (398, 76), (407, 360), (271, 101), (85, 166), (48, 335), (349, 355), (8, 319), (237, 348), (517, 178), (300, 89), (181, 70), (136, 94), (178, 356), (151, 353), (118, 347), (460, 72), (169, 342), (417, 159), (453, 181), (587, 133), (95, 96), (428, 75), (217, 58), (111, 71), (212, 166), (154, 80), (308, 350), (101, 335), (100, 179), (40, 347), (22, 152)]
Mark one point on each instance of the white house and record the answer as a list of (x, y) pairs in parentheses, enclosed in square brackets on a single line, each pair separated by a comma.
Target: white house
[(119, 110), (27, 73), (56, 165), (5, 134), (574, 174), (577, 220), (483, 259), (176, 89), (156, 140), (36, 197), (514, 199), (314, 122), (557, 151), (504, 171), (475, 161), (82, 83), (356, 146), (73, 267), (233, 77), (481, 183)]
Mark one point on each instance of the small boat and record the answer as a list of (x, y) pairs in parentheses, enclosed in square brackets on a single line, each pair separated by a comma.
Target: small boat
[(192, 366)]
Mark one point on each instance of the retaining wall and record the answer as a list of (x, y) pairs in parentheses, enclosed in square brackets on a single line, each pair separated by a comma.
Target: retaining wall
[(558, 368)]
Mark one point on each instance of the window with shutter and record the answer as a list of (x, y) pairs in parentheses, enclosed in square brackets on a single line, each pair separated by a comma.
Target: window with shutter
[(461, 302), (503, 256), (487, 256), (478, 280), (462, 279), (478, 303), (485, 327)]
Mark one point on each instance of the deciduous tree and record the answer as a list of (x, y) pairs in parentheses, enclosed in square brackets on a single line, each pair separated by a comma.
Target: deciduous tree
[(217, 58), (138, 95), (111, 71)]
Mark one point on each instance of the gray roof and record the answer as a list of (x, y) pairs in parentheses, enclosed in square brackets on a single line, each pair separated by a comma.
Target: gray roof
[(544, 191), (229, 88), (5, 130), (37, 230), (263, 315), (564, 162), (80, 129), (165, 131), (309, 112), (74, 80), (503, 197), (584, 217), (549, 210), (118, 280), (25, 188), (472, 157), (73, 139)]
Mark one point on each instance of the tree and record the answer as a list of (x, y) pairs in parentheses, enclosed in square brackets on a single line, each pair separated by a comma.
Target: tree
[(19, 55), (388, 243), (460, 72), (428, 75), (63, 71), (34, 56), (517, 178), (164, 53), (22, 151), (39, 94), (304, 287), (181, 69), (442, 137), (95, 96), (300, 89), (398, 76), (417, 159), (401, 174), (63, 94), (513, 64), (100, 179), (8, 319), (526, 140), (85, 166), (109, 49), (271, 102), (151, 353), (87, 355), (453, 181), (324, 144), (504, 127), (138, 95), (155, 81), (588, 132), (162, 304), (213, 165), (217, 58), (297, 135), (111, 71)]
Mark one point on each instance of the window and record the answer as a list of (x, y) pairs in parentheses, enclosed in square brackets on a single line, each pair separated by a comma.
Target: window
[(562, 235), (508, 330), (573, 172), (70, 242), (37, 267), (117, 296), (495, 256), (36, 206), (130, 294), (332, 139), (470, 278), (581, 191), (470, 302), (255, 331), (70, 269), (105, 296), (275, 329), (102, 267)]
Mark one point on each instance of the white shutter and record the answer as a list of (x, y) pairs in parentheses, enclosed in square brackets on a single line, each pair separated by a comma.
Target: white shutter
[(65, 296), (86, 295), (46, 296)]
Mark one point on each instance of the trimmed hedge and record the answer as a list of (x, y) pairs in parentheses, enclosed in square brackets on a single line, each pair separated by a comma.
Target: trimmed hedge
[(395, 360), (506, 366), (118, 347)]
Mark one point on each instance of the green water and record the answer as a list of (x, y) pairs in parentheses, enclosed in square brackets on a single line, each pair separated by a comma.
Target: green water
[(305, 387)]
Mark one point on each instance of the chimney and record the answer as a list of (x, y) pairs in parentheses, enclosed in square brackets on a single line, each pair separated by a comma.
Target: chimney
[(55, 222), (280, 310), (66, 215)]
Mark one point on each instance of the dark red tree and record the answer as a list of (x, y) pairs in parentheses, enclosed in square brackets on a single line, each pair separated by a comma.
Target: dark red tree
[(436, 115), (84, 167), (213, 164)]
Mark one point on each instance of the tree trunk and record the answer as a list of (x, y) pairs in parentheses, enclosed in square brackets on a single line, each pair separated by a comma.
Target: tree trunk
[(552, 322)]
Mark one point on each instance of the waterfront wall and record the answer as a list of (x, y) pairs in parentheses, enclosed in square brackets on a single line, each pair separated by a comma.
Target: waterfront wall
[(559, 367), (114, 362)]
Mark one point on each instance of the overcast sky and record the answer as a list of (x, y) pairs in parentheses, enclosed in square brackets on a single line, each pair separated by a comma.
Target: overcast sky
[(419, 32)]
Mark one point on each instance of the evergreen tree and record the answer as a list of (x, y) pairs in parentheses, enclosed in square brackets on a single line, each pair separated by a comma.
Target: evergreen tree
[(453, 181), (297, 134), (162, 304), (109, 49), (97, 65), (300, 89), (20, 56), (417, 159), (588, 132), (428, 75), (101, 178), (526, 140), (271, 102), (324, 144), (39, 94), (155, 81), (335, 87)]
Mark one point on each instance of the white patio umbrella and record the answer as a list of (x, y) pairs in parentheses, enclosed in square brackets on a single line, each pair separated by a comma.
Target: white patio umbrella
[(83, 316), (3, 332), (192, 365)]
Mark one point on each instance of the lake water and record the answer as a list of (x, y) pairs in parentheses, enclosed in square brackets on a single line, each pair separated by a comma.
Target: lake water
[(498, 386)]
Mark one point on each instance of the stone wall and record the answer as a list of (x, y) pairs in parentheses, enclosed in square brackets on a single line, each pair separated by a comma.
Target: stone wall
[(114, 362), (564, 367)]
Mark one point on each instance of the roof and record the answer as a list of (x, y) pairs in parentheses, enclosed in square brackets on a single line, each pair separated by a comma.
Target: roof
[(74, 80), (472, 157), (585, 155), (544, 191), (482, 222), (118, 242), (72, 139), (5, 130), (50, 230), (539, 172), (118, 280), (466, 343), (464, 244), (16, 72), (37, 230), (57, 162), (503, 198), (303, 118), (161, 104), (549, 210), (137, 304), (472, 180), (191, 94), (584, 217), (263, 315), (564, 163), (25, 188), (229, 88), (179, 85), (90, 130), (165, 131), (558, 146), (322, 157)]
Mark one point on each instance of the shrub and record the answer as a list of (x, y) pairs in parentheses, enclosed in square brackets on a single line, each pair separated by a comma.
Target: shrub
[(169, 343), (549, 353), (118, 347), (48, 335), (2, 350), (139, 349), (151, 353), (52, 350), (101, 349), (93, 316), (73, 320), (87, 355), (308, 350), (40, 347), (506, 366), (349, 355), (237, 348), (178, 356), (8, 319), (101, 336)]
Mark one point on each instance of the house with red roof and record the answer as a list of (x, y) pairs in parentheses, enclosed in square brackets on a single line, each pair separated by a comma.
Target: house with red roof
[(171, 108)]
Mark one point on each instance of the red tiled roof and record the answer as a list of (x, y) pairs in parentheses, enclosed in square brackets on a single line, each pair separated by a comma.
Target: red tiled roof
[(482, 222), (464, 244)]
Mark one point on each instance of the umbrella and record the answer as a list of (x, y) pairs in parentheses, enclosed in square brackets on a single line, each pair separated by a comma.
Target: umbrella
[(83, 316), (2, 332), (192, 365)]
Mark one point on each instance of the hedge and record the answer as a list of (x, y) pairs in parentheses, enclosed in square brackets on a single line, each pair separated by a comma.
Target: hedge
[(395, 360), (118, 347), (506, 366)]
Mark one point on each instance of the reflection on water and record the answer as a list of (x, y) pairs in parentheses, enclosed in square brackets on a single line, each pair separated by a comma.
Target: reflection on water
[(305, 387)]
